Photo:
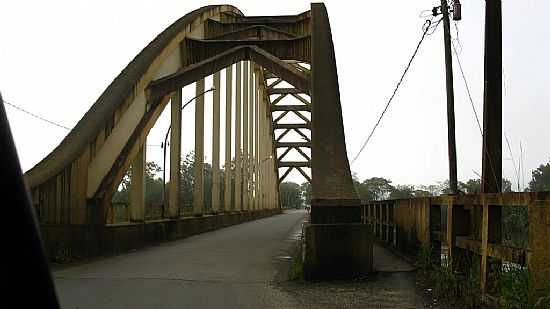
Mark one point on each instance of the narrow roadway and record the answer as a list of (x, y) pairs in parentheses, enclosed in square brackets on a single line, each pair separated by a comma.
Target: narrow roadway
[(234, 267), (243, 266)]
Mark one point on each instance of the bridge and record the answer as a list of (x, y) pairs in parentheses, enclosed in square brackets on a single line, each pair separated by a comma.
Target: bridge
[(275, 68)]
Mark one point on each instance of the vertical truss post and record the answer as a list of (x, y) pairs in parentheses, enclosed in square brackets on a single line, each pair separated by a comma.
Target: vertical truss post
[(175, 155), (137, 191), (227, 168), (257, 152), (238, 151), (251, 134), (246, 80), (216, 144), (198, 189)]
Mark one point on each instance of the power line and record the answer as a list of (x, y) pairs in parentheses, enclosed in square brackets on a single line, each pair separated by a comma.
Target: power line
[(426, 28), (467, 89), (473, 108), (36, 116), (513, 160)]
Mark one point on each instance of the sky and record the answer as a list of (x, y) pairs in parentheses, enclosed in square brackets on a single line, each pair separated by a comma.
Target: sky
[(57, 57)]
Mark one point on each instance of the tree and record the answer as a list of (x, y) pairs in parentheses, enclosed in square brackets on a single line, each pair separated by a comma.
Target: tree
[(305, 193), (290, 195), (541, 178), (153, 186), (402, 192), (377, 188), (472, 186)]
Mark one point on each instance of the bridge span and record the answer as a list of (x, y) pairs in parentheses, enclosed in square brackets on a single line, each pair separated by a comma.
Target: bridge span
[(274, 67)]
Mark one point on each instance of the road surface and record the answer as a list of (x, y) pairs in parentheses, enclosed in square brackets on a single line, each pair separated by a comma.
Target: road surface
[(243, 266), (234, 267)]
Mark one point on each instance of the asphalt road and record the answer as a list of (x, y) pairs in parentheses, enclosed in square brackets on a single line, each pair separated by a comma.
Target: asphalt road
[(234, 267)]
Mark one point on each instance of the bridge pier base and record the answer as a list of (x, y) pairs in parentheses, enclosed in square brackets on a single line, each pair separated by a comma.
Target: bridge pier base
[(338, 244), (338, 251)]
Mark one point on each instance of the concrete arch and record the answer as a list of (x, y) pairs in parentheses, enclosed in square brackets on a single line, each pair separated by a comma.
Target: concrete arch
[(75, 182)]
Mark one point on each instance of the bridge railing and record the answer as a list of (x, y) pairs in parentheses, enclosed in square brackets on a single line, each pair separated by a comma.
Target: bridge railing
[(481, 233)]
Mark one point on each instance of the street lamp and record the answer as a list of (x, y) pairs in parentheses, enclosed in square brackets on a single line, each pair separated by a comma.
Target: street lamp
[(163, 145)]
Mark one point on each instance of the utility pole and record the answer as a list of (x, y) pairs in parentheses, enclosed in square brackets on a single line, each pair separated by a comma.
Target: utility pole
[(453, 182), (491, 181)]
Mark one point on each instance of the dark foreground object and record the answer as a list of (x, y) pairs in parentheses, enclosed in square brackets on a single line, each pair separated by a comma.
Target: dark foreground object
[(25, 265), (338, 251)]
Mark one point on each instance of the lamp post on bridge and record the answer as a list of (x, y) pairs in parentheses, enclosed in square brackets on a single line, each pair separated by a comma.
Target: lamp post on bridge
[(163, 145)]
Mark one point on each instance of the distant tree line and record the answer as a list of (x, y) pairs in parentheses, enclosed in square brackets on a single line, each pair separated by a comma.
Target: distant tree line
[(294, 195)]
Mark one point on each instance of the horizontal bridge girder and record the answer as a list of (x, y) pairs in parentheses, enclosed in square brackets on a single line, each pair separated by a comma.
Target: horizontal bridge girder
[(293, 144), (282, 108), (293, 24), (159, 88), (196, 50), (294, 164), (283, 91), (259, 31), (292, 126)]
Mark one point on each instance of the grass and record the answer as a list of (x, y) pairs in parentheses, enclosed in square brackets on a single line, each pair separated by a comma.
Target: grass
[(449, 287), (297, 270)]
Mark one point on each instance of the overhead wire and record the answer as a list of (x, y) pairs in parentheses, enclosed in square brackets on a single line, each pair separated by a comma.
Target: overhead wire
[(457, 56), (425, 28), (512, 156), (36, 116)]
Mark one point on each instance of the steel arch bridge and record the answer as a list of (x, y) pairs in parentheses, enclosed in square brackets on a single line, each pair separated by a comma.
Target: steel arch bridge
[(72, 188)]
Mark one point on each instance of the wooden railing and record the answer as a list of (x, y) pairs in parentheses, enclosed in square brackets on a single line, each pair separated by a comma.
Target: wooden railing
[(473, 232)]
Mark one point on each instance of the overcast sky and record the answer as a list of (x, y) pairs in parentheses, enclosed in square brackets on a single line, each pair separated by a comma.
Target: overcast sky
[(57, 57)]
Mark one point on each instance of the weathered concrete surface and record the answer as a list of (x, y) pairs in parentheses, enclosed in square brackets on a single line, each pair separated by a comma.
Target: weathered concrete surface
[(235, 267), (392, 285), (242, 266), (338, 251), (77, 241)]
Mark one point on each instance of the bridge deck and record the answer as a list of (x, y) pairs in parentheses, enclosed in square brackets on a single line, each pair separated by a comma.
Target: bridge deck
[(242, 266)]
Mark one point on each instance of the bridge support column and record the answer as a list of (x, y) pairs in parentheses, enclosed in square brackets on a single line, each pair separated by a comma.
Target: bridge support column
[(260, 137), (246, 81), (216, 145), (227, 169), (137, 191), (198, 189), (251, 132), (337, 244), (238, 150), (175, 155)]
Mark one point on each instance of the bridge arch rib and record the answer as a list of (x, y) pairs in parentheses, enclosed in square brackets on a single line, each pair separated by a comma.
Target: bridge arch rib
[(78, 179)]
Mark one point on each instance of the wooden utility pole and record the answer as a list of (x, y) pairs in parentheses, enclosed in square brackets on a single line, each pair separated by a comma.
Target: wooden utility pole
[(453, 182), (491, 181)]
